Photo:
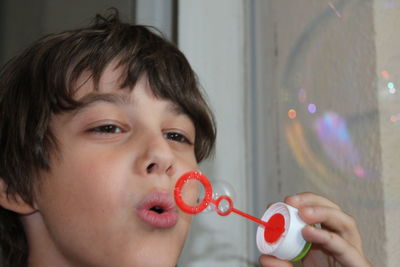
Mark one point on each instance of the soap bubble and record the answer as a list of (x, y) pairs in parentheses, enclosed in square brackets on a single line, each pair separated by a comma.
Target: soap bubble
[(346, 110), (222, 188)]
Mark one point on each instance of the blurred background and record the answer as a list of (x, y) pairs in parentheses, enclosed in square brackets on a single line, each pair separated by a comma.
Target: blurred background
[(305, 95)]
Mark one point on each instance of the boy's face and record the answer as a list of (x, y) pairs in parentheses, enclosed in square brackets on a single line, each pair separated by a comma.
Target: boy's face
[(107, 200)]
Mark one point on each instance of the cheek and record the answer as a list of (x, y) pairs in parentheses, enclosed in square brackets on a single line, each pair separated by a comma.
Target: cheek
[(83, 186), (187, 160), (77, 200)]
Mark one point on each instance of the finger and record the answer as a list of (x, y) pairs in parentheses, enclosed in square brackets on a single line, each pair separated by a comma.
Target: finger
[(335, 220), (309, 199), (270, 261), (340, 249)]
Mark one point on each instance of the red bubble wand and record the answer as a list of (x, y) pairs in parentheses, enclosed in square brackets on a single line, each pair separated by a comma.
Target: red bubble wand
[(274, 227)]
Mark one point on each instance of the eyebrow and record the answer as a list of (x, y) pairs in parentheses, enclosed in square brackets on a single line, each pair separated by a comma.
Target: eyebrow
[(92, 98), (118, 99)]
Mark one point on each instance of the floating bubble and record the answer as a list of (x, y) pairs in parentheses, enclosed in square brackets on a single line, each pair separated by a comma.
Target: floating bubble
[(340, 144), (222, 188)]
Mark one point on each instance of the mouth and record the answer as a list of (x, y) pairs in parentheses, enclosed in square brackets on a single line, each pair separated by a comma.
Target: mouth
[(158, 210)]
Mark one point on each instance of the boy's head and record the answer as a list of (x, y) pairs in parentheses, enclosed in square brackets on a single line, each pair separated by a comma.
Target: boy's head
[(96, 125)]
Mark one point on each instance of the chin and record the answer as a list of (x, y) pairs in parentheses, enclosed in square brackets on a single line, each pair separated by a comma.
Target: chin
[(160, 251), (155, 260)]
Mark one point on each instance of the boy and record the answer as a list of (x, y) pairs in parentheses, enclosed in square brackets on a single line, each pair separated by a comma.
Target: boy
[(96, 126)]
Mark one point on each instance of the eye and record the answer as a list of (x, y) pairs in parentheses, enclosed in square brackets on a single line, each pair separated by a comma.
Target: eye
[(106, 129), (177, 137)]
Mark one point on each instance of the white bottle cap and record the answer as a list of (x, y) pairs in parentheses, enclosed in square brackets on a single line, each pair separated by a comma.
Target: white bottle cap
[(291, 243)]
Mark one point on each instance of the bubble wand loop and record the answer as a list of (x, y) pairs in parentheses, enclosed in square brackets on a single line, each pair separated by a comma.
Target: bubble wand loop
[(279, 231)]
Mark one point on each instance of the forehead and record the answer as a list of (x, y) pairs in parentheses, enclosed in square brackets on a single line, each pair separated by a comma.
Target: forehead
[(109, 89), (110, 81)]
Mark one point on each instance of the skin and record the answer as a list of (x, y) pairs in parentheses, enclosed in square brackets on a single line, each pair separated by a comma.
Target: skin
[(111, 155), (337, 243)]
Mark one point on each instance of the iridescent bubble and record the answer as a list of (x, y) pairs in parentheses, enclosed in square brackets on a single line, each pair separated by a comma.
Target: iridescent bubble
[(340, 143)]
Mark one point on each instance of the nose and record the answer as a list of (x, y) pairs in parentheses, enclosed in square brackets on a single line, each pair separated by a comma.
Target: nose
[(156, 156)]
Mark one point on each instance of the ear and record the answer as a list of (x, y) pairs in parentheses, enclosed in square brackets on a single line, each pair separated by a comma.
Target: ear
[(14, 202)]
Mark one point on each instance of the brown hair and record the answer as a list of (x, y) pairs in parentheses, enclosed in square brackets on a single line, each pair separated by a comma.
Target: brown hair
[(39, 83)]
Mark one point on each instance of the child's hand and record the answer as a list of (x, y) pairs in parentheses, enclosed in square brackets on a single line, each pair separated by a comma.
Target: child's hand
[(337, 242)]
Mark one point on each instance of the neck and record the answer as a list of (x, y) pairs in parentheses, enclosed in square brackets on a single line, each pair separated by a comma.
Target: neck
[(42, 251)]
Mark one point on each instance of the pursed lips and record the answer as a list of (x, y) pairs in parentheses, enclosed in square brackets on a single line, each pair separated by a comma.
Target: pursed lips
[(158, 210)]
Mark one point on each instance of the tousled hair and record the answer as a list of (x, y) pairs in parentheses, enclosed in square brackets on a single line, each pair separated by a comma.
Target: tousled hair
[(40, 82)]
